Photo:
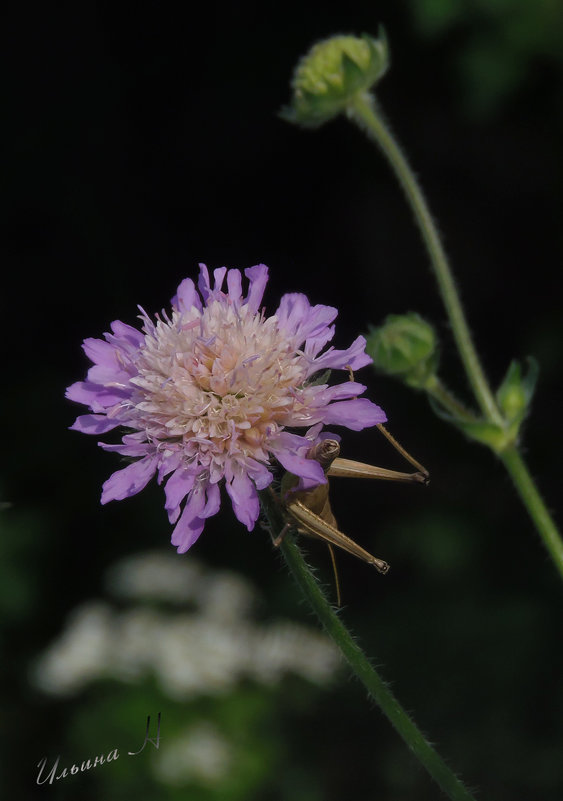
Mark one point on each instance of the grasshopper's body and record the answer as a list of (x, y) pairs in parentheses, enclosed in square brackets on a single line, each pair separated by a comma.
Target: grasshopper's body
[(309, 511)]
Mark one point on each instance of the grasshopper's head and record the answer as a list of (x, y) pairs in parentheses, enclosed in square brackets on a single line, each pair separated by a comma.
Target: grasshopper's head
[(325, 452)]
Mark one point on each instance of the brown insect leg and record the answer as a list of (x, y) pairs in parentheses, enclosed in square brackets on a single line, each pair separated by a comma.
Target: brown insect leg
[(277, 541), (335, 571)]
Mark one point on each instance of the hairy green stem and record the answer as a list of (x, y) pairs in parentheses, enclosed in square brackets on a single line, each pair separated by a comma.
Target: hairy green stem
[(363, 111), (442, 394), (532, 500), (518, 471), (359, 663)]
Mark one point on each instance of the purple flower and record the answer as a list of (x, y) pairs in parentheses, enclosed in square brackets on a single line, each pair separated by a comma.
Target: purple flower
[(207, 395)]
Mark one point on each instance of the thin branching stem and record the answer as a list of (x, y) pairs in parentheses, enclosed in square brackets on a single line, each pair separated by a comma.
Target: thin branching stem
[(364, 112), (514, 462)]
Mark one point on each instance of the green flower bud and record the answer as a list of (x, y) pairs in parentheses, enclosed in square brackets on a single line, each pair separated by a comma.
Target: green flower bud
[(331, 73), (405, 346), (515, 393)]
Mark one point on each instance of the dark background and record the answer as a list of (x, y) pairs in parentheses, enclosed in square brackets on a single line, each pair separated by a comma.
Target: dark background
[(141, 141)]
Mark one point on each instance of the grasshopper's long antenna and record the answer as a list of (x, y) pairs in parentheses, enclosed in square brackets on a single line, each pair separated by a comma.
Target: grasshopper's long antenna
[(335, 571), (423, 474), (402, 451)]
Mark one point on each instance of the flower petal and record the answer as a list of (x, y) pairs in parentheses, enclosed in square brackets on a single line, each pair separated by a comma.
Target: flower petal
[(348, 389), (94, 424), (290, 442), (354, 357), (128, 333), (300, 466), (97, 397), (112, 376), (187, 530), (244, 498), (218, 277), (258, 278), (129, 481), (317, 341), (213, 503), (234, 285), (101, 352), (203, 502), (186, 297), (169, 462), (203, 282), (261, 477), (296, 318), (356, 414), (129, 447), (292, 312), (177, 487)]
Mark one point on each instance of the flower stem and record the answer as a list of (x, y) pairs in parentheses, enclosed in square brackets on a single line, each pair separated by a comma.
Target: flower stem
[(436, 389), (532, 500), (363, 111), (359, 663)]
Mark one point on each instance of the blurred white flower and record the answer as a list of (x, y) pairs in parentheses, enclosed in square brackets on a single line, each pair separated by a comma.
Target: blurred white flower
[(199, 755), (204, 652), (154, 576), (226, 597), (81, 654)]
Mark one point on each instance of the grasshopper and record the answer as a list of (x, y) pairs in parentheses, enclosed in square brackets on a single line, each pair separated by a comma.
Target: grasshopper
[(310, 513)]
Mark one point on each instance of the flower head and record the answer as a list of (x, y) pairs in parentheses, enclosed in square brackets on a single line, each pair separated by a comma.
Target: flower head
[(405, 346), (207, 395), (333, 71)]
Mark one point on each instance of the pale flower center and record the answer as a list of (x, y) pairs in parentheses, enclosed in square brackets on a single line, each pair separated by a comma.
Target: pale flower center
[(222, 381)]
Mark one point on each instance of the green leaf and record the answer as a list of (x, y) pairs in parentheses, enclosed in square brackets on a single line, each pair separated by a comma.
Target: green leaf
[(496, 436), (318, 378)]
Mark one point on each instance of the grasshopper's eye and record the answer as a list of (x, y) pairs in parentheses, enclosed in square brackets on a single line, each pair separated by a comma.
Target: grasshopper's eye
[(325, 452)]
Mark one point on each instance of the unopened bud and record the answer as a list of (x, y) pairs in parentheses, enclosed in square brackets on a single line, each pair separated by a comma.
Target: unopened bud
[(516, 391), (331, 73), (405, 346)]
